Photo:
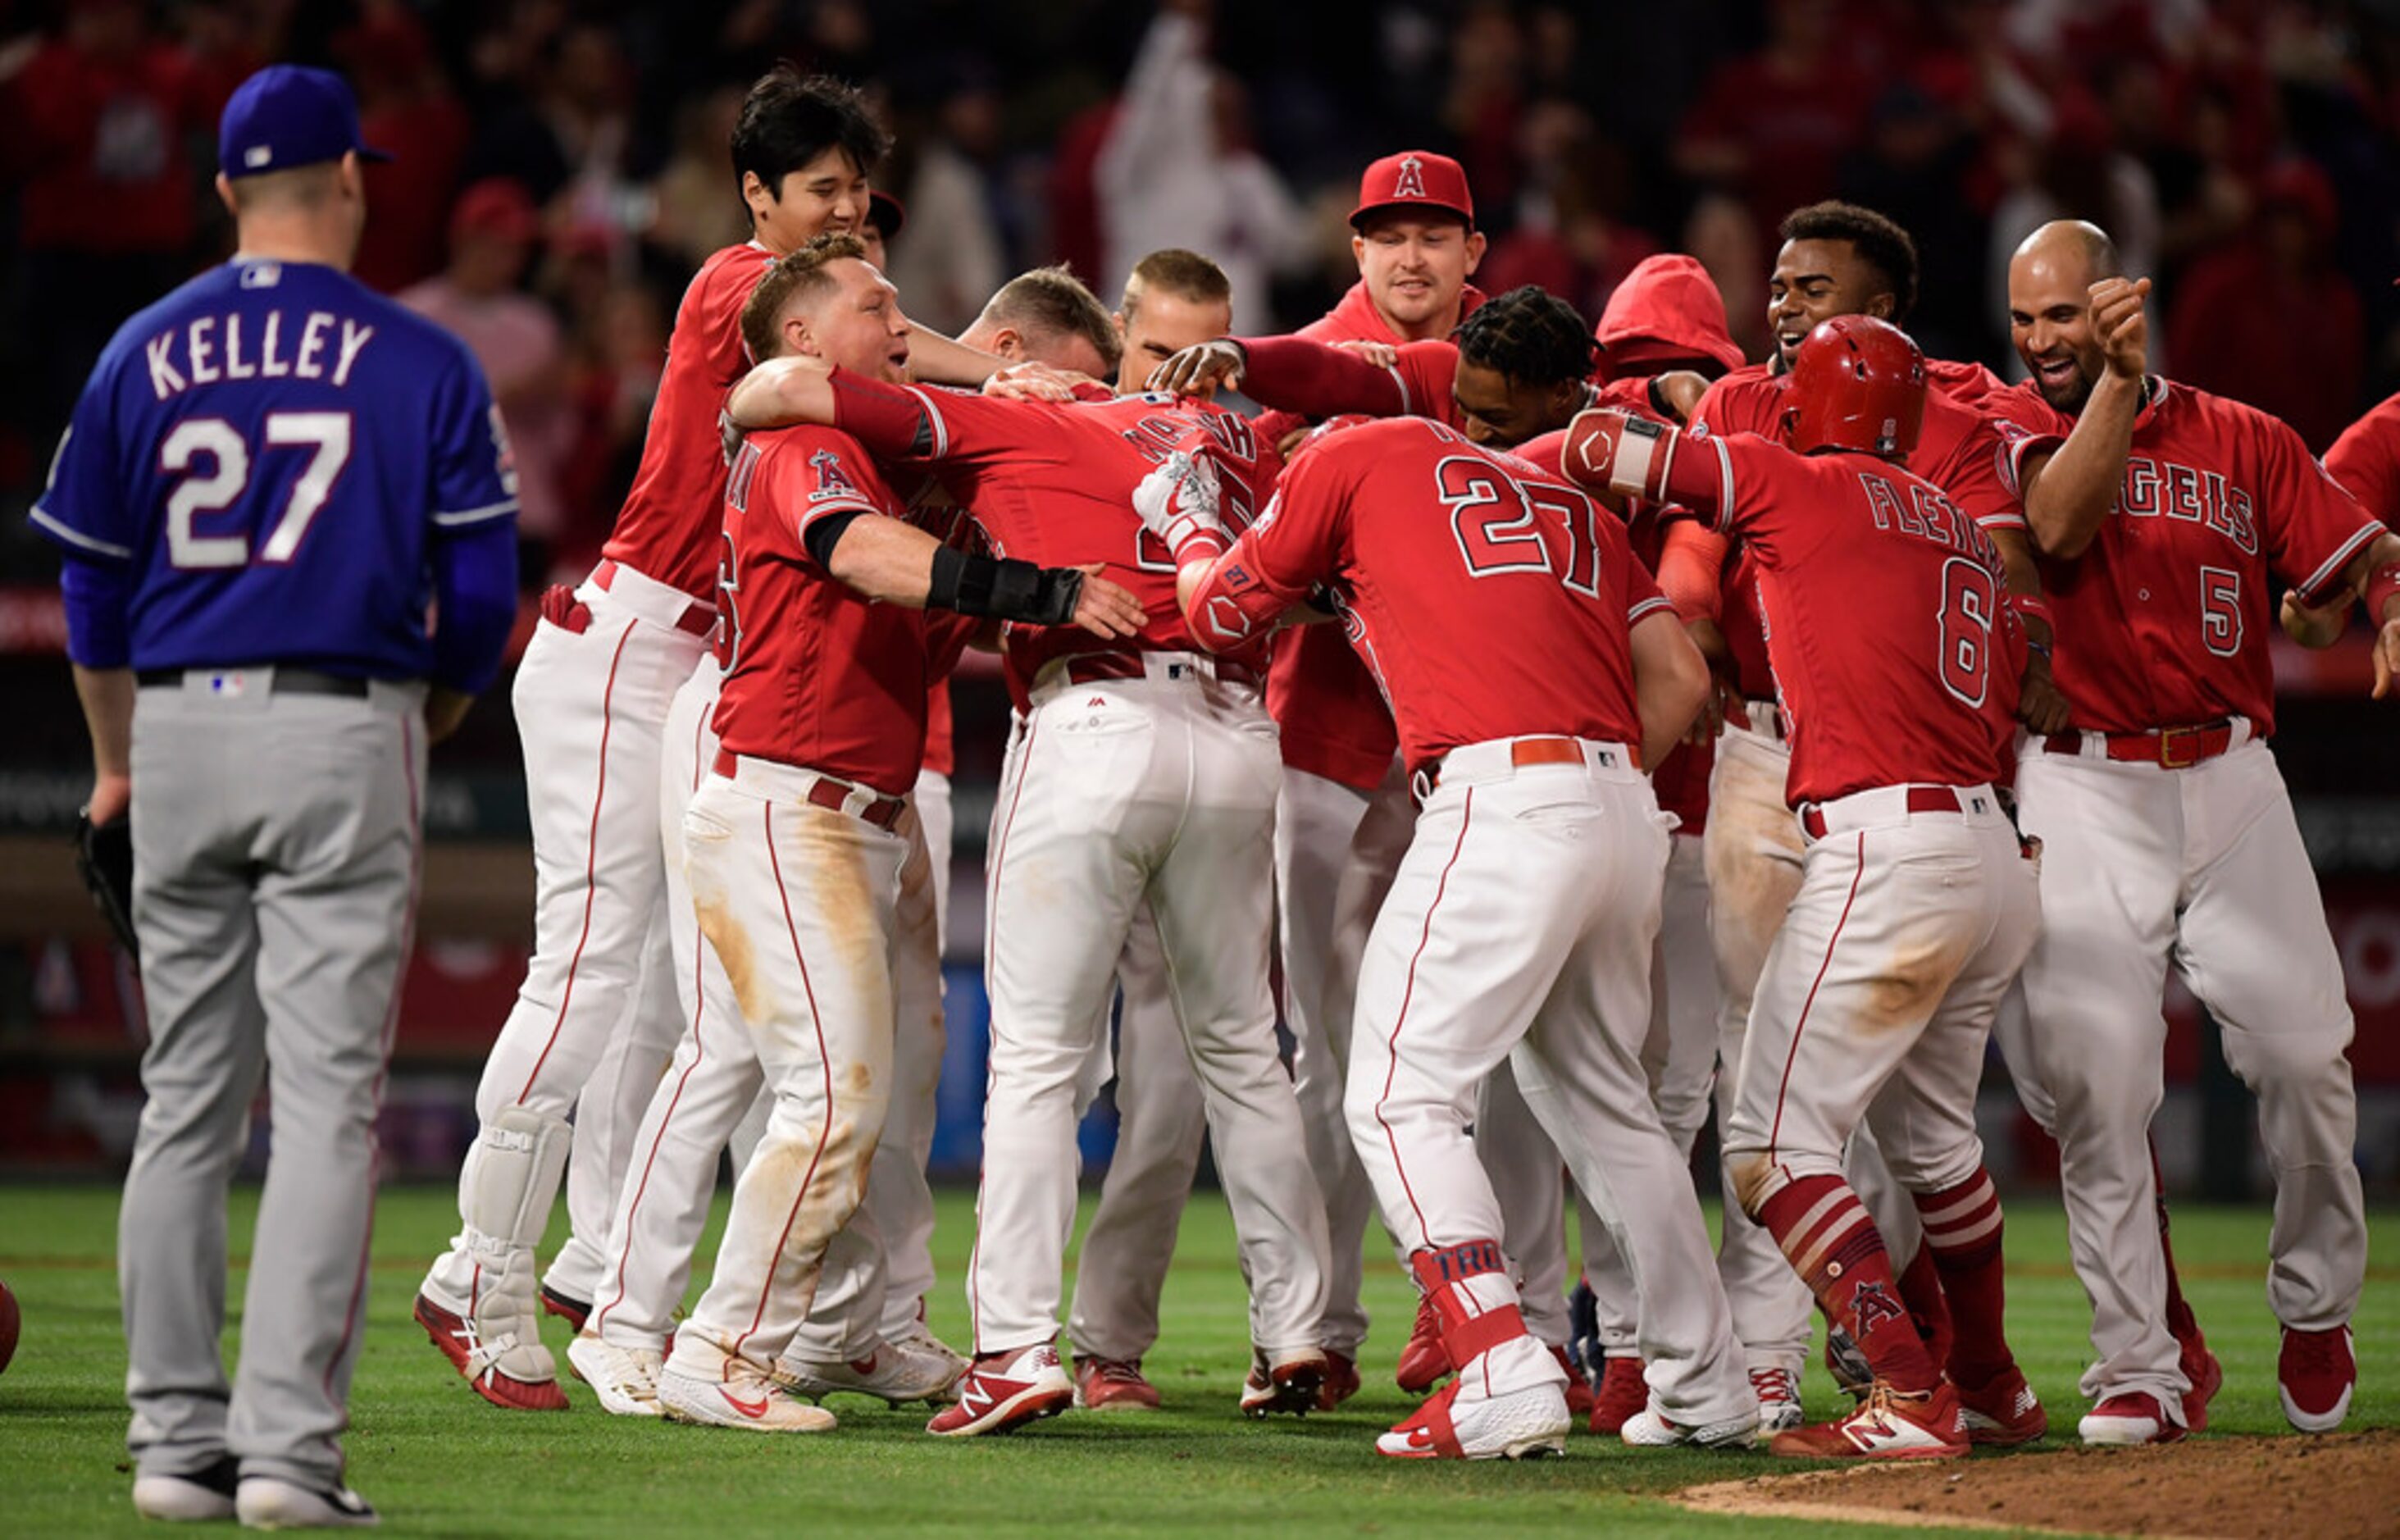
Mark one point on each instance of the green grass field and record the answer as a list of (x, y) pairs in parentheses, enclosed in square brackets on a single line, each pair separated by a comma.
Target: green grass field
[(436, 1460)]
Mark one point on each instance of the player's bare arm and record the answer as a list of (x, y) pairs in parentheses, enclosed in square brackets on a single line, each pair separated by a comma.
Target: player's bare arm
[(1671, 682), (107, 697), (782, 392), (2067, 492), (938, 360), (885, 559)]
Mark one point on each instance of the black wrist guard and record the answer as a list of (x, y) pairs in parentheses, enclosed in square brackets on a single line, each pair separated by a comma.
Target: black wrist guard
[(1005, 589)]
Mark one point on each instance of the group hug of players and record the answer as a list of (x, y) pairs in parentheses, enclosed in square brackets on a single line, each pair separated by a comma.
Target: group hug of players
[(1676, 727)]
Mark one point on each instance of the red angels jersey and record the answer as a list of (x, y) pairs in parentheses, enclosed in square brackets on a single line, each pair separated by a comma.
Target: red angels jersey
[(1963, 450), (1489, 602), (2365, 459), (1053, 484), (667, 529), (2163, 621), (1333, 720), (1896, 653), (814, 675)]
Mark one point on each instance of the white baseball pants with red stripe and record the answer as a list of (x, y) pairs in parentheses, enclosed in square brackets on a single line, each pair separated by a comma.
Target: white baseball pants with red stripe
[(1680, 1058), (1520, 928), (2201, 867), (1119, 794), (796, 902), (1877, 997), (591, 709)]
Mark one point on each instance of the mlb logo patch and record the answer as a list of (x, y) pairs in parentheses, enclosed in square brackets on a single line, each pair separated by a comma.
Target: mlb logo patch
[(257, 156)]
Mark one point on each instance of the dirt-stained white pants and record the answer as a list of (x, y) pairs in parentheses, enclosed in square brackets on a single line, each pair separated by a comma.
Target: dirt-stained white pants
[(796, 902)]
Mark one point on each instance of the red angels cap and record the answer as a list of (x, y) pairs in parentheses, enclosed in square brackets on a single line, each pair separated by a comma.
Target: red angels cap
[(1417, 179)]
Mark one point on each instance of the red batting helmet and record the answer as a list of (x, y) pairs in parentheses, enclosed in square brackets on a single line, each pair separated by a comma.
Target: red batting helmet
[(1858, 383)]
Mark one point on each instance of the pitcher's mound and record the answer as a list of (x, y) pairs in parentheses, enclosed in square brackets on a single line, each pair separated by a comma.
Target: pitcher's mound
[(2338, 1486)]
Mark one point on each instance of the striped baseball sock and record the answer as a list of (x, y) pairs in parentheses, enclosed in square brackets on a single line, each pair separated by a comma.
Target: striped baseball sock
[(1962, 1232), (1832, 1243)]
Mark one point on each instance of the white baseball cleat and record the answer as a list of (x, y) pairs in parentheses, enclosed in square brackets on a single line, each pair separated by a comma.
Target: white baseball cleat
[(189, 1498), (742, 1395), (1519, 1424), (894, 1372), (625, 1379), (920, 1338), (271, 1502), (1647, 1429)]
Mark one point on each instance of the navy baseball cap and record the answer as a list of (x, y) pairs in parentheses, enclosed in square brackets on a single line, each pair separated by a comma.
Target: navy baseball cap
[(287, 116)]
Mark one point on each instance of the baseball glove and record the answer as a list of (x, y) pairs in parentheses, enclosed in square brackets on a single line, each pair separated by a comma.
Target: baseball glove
[(104, 861)]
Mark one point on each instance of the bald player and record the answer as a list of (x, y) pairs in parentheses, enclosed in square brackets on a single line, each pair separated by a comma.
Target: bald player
[(2165, 534)]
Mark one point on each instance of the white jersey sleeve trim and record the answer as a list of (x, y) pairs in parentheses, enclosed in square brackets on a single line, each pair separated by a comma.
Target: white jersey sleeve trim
[(933, 416), (1725, 482), (475, 515), (1408, 401), (77, 539), (1657, 601), (2339, 559)]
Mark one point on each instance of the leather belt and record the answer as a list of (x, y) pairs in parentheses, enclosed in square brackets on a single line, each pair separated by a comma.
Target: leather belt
[(1087, 668), (285, 681), (1920, 799), (2169, 749), (836, 795), (697, 619), (1524, 752)]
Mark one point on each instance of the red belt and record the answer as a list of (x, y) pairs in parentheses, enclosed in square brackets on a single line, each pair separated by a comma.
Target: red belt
[(1920, 799), (697, 619), (1086, 668), (826, 792), (2169, 749), (1527, 751)]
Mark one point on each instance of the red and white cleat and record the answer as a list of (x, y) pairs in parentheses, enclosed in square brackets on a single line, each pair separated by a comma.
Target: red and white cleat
[(566, 1307), (1004, 1391), (478, 1358), (2133, 1417), (2207, 1376), (1779, 1399), (1289, 1384), (1425, 1360), (1520, 1424), (2004, 1413), (2314, 1376), (1888, 1426), (1113, 1384)]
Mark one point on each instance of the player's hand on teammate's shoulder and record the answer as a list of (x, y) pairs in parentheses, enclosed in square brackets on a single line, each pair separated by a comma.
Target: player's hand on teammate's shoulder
[(1032, 381), (1382, 355), (2387, 658), (2120, 323), (1105, 609), (1200, 369)]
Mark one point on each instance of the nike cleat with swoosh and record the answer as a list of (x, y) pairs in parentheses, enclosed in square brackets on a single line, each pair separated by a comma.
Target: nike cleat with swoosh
[(741, 1396)]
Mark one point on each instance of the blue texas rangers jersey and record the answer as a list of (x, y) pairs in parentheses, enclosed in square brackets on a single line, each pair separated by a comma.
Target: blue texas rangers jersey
[(273, 451)]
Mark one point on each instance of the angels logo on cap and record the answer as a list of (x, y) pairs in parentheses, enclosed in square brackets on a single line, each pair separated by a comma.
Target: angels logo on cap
[(1417, 180)]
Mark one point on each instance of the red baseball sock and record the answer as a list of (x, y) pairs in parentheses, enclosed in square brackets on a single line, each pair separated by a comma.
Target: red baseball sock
[(1962, 1234), (2180, 1320), (1832, 1243), (1929, 1307)]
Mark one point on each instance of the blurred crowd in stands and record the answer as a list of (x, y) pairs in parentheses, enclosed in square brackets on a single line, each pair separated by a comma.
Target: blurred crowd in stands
[(562, 167)]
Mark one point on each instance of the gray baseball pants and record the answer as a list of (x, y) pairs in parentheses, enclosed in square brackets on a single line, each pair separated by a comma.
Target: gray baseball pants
[(274, 850)]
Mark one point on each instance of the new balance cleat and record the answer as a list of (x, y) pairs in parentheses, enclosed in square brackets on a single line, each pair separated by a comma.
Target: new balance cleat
[(1004, 1391), (1888, 1426), (1113, 1384), (2003, 1414)]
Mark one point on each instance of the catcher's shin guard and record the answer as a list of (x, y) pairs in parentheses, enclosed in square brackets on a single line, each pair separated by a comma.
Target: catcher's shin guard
[(505, 1197)]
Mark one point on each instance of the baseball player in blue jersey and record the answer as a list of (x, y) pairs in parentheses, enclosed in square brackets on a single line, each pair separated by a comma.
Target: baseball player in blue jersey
[(287, 522)]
